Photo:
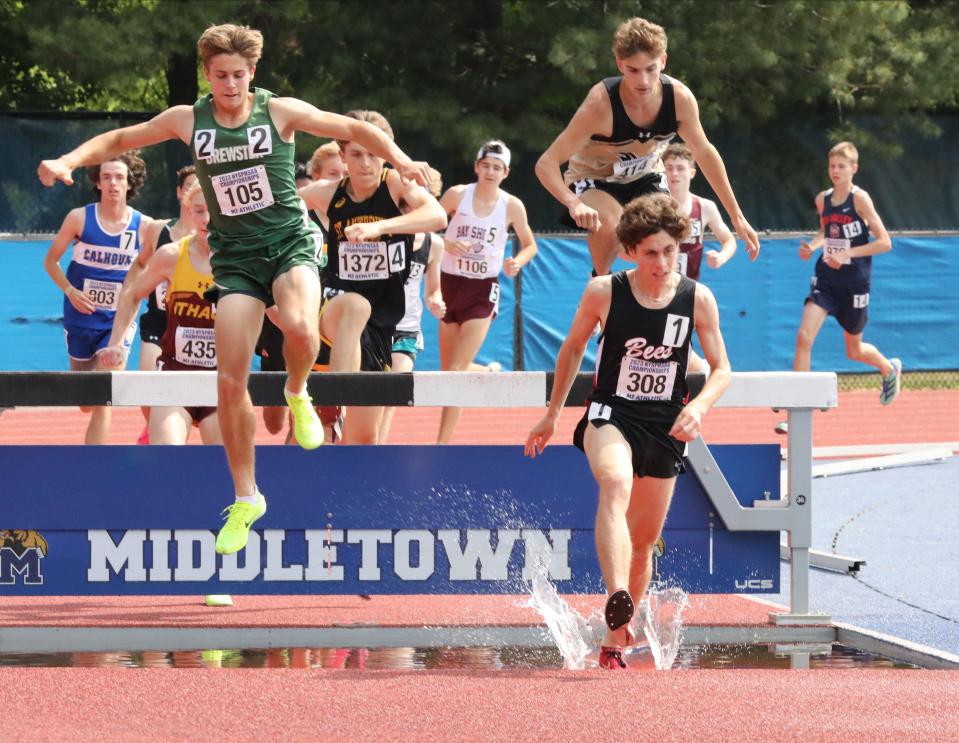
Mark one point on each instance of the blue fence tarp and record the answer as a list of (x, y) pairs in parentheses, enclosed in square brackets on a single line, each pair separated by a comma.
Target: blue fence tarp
[(760, 305)]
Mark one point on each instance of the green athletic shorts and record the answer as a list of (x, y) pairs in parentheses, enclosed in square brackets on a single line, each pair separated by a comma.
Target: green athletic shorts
[(252, 269)]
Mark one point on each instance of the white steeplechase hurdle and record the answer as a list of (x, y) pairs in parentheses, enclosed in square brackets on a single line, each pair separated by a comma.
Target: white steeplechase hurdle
[(799, 394)]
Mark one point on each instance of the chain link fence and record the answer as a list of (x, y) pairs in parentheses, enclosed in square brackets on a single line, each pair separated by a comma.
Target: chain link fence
[(939, 379), (27, 207)]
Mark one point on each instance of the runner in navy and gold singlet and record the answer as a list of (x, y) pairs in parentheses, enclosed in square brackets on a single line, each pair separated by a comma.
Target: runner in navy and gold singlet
[(841, 284), (241, 139), (639, 416)]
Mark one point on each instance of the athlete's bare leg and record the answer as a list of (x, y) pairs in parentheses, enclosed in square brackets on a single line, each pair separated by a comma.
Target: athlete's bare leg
[(169, 425), (343, 321), (274, 417), (610, 459), (210, 430), (459, 344), (297, 295), (362, 424), (646, 515), (239, 318), (604, 246), (99, 426), (813, 316), (149, 353), (866, 353)]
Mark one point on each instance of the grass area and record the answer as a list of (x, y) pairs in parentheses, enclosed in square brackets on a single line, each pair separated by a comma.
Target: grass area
[(921, 380)]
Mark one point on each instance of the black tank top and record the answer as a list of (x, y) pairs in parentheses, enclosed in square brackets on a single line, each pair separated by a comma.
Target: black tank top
[(377, 270), (643, 353), (156, 299), (625, 130)]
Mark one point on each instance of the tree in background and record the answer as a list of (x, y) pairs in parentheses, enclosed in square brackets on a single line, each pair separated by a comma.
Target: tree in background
[(775, 80)]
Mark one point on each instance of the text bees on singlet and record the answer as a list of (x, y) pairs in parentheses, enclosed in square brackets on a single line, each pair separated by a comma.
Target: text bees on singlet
[(646, 371), (244, 190), (370, 261)]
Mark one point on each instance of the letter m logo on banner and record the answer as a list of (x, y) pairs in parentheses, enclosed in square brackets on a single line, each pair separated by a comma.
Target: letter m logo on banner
[(25, 564), (21, 551)]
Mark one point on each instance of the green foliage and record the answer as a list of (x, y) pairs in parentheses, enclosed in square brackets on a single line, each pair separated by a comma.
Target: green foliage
[(451, 74)]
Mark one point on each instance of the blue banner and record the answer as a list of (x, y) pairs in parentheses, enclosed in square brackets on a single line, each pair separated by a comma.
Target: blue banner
[(760, 305), (351, 520)]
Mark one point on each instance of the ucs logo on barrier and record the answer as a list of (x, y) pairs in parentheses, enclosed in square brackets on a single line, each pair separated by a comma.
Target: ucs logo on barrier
[(21, 554)]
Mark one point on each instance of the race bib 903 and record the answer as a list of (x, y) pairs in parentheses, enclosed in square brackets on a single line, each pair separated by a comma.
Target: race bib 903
[(103, 294)]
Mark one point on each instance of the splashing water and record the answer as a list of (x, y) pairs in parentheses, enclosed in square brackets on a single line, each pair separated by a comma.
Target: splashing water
[(660, 617), (661, 613), (570, 631)]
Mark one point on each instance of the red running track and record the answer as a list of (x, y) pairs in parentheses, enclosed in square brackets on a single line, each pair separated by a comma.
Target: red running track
[(300, 704), (917, 417), (570, 706)]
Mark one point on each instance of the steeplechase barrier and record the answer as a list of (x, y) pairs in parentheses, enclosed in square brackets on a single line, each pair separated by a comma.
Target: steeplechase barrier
[(387, 519)]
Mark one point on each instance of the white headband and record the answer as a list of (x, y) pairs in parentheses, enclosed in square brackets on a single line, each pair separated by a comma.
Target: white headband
[(502, 156)]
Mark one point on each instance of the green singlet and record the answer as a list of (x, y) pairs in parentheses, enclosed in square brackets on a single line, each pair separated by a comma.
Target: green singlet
[(258, 226)]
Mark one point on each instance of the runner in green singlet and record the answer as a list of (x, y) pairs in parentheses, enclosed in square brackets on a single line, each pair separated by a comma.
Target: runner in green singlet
[(241, 139)]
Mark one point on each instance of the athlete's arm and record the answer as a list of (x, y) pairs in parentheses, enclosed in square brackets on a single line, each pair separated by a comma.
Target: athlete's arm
[(150, 230), (424, 213), (593, 308), (706, 313), (594, 116), (867, 210), (159, 269), (714, 220), (807, 249), (432, 294), (517, 219), (293, 115), (318, 194), (70, 230), (174, 123), (711, 164), (450, 201)]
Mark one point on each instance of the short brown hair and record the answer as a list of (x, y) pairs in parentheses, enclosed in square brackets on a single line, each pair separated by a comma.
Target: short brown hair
[(183, 173), (647, 215), (370, 117), (847, 150), (679, 151), (228, 38), (136, 172), (639, 35), (320, 155)]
